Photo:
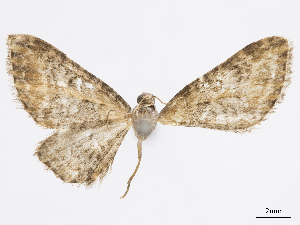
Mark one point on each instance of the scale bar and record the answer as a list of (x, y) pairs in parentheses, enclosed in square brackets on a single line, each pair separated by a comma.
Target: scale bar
[(273, 217)]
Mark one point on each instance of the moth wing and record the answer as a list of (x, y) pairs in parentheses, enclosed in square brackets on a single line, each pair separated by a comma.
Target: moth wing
[(84, 152), (56, 91), (238, 93)]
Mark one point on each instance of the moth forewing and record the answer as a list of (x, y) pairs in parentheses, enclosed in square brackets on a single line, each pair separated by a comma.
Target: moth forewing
[(238, 93), (56, 91)]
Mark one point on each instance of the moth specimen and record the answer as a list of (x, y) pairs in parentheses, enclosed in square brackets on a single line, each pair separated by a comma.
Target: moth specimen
[(92, 120)]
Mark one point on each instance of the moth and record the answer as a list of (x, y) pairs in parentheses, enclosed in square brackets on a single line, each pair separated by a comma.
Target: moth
[(91, 119)]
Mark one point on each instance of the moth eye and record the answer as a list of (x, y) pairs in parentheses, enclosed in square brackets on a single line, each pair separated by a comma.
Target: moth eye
[(140, 97)]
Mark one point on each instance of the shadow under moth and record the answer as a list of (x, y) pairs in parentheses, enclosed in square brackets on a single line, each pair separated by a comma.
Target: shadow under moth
[(91, 119)]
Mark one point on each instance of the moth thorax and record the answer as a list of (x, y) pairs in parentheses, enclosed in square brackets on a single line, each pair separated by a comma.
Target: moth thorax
[(144, 116)]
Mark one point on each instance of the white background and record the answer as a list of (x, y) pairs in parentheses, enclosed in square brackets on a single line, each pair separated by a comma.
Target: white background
[(187, 175)]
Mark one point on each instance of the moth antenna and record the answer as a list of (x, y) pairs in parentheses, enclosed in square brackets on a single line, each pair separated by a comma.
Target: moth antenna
[(160, 100), (139, 147)]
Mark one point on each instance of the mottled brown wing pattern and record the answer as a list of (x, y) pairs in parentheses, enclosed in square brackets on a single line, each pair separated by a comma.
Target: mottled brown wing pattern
[(238, 93), (56, 91), (84, 152)]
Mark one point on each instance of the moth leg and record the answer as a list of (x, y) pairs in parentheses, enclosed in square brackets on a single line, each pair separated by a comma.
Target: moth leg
[(115, 111), (139, 147)]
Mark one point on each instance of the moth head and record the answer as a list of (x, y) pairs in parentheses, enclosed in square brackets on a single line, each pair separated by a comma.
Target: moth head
[(146, 98)]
